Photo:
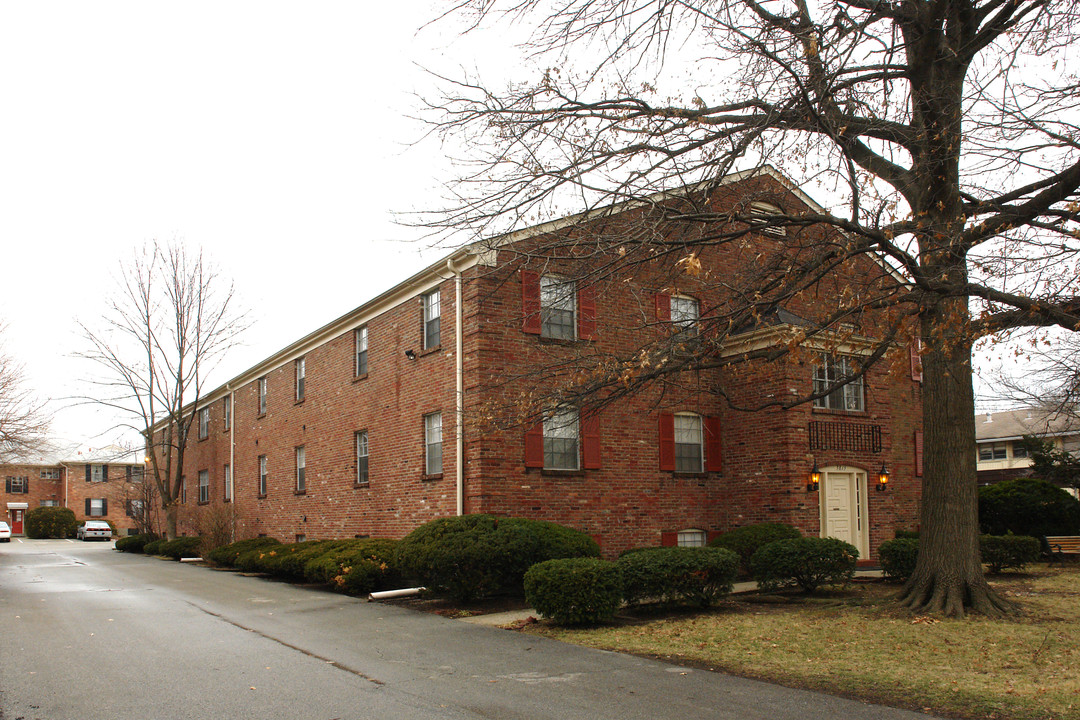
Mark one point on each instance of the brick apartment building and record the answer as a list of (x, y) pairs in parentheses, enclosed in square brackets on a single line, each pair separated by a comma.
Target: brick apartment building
[(396, 413), (106, 485)]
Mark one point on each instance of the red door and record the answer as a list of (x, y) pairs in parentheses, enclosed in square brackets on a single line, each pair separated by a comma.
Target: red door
[(16, 522)]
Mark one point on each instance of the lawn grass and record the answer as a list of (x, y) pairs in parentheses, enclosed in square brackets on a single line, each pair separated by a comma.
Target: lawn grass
[(857, 643)]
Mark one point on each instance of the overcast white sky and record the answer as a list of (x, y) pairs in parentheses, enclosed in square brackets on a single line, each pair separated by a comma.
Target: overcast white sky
[(272, 134)]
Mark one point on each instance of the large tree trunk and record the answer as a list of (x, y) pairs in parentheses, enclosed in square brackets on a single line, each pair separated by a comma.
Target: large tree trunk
[(170, 520), (948, 576)]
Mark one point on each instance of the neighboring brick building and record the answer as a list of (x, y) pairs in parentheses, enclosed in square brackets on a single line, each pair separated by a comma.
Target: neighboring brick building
[(106, 484), (353, 430)]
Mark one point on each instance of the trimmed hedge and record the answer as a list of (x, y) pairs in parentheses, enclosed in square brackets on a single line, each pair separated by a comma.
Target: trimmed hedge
[(806, 562), (134, 543), (1028, 506), (50, 522), (181, 547), (154, 546), (678, 574), (574, 591), (898, 558), (226, 555), (745, 541), (1013, 552), (357, 567), (478, 555)]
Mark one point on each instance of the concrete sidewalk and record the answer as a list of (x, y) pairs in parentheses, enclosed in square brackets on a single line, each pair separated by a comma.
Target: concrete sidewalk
[(501, 619)]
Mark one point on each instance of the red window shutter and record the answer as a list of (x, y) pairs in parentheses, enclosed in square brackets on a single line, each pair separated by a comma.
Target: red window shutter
[(663, 307), (667, 441), (916, 360), (590, 441), (534, 446), (669, 539), (918, 453), (530, 302), (586, 298), (714, 454)]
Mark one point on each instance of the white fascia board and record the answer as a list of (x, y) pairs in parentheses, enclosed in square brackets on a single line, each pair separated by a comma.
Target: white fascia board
[(784, 334)]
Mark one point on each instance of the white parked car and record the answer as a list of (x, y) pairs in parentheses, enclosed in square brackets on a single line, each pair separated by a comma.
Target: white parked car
[(94, 529), (5, 532)]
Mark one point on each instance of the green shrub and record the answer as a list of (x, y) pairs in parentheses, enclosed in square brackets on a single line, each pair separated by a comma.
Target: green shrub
[(805, 562), (907, 535), (375, 555), (1013, 552), (293, 558), (226, 555), (898, 558), (477, 555), (181, 547), (134, 543), (154, 546), (678, 574), (50, 522), (254, 560), (1028, 506), (745, 541), (574, 591)]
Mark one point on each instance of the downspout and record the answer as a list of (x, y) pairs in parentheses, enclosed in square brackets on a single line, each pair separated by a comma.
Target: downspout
[(459, 372), (232, 459)]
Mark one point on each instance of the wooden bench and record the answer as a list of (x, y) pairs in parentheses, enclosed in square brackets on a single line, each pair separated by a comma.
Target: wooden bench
[(1058, 547)]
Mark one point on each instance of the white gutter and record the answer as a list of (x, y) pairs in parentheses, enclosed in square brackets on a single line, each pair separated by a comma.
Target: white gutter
[(459, 372)]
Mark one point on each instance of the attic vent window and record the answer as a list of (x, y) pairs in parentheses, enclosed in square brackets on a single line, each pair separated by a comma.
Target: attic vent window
[(766, 211)]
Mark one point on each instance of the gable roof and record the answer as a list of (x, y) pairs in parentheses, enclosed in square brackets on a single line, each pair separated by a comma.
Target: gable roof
[(1014, 424)]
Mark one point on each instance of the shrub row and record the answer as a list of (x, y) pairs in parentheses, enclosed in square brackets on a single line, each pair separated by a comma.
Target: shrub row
[(746, 541), (999, 552), (135, 543)]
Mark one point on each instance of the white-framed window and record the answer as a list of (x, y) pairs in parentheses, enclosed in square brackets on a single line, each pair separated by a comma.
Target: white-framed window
[(830, 370), (134, 508), (301, 372), (227, 475), (135, 473), (204, 486), (1019, 450), (432, 321), (50, 503), (19, 485), (183, 490), (361, 351), (98, 473), (264, 475), (993, 451), (561, 440), (262, 395), (362, 458), (691, 538), (50, 474), (301, 470), (226, 410), (433, 443), (689, 443), (97, 507), (685, 314), (558, 308), (204, 423)]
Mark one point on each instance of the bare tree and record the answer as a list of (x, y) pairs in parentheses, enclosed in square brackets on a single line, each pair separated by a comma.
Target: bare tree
[(942, 131), (23, 425), (168, 325)]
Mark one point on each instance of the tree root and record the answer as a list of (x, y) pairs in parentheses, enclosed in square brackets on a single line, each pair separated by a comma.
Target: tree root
[(954, 597)]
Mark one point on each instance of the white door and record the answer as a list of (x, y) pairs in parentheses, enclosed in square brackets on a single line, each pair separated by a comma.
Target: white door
[(843, 510)]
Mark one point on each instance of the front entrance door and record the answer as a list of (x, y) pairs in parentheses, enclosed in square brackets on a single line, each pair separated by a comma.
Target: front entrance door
[(843, 506), (17, 522)]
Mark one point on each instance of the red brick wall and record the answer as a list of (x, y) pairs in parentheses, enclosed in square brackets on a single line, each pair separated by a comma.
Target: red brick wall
[(38, 488), (115, 489)]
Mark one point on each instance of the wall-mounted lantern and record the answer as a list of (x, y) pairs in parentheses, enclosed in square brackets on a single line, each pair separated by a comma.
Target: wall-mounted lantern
[(883, 478), (814, 479)]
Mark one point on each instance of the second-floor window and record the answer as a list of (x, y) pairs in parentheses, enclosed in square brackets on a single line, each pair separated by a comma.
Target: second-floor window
[(361, 351), (689, 444), (50, 474), (204, 423), (97, 473), (301, 371), (830, 370), (685, 313), (362, 458), (204, 486), (18, 485), (993, 451), (262, 395), (226, 410), (558, 302), (561, 440), (432, 320)]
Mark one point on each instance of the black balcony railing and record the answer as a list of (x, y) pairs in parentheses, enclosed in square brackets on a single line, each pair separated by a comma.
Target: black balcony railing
[(845, 436)]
